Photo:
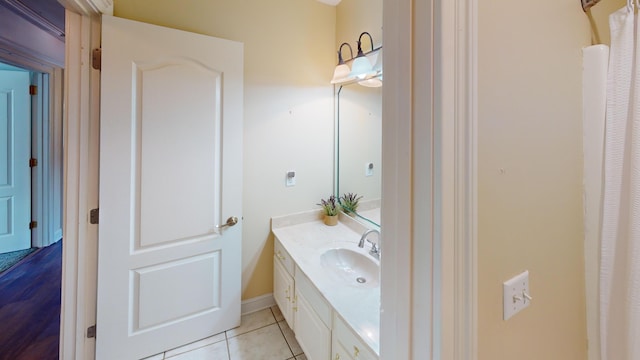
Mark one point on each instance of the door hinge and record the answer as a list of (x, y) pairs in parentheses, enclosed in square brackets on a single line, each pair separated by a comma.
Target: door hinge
[(91, 331), (33, 90), (33, 162), (94, 216), (33, 225), (96, 58)]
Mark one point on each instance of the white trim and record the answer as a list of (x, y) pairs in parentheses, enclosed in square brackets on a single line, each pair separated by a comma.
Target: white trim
[(55, 155), (427, 185), (257, 303), (22, 10), (81, 138), (89, 7), (39, 141), (28, 45), (396, 211), (466, 180), (429, 288), (46, 142)]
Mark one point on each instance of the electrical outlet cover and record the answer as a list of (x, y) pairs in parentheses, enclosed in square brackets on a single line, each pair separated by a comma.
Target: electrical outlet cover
[(290, 179), (516, 294), (368, 169)]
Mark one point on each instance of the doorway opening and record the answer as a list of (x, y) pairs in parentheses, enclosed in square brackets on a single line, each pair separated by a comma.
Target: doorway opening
[(30, 211), (30, 160), (32, 43)]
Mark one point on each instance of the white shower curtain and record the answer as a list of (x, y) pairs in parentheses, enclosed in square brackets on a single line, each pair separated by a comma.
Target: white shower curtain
[(620, 248)]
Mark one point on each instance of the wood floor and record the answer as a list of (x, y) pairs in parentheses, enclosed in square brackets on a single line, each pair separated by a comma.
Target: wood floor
[(30, 307)]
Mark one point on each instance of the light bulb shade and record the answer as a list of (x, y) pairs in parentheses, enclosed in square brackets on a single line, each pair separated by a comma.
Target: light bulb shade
[(377, 61), (341, 74), (361, 67), (373, 82)]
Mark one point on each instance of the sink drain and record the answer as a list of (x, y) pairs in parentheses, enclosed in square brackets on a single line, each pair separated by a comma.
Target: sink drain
[(361, 280)]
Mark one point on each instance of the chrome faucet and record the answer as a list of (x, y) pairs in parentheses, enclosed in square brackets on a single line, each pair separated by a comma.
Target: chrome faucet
[(375, 248)]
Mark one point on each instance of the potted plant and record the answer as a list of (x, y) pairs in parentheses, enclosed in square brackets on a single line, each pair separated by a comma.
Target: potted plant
[(349, 202), (330, 208)]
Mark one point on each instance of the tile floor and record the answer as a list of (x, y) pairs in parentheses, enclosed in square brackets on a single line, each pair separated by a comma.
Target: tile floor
[(262, 335)]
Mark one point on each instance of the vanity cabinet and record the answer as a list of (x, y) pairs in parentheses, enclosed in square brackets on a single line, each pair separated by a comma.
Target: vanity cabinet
[(302, 306), (320, 330), (312, 319), (346, 345), (283, 283)]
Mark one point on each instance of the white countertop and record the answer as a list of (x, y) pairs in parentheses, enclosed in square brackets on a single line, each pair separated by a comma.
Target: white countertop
[(357, 304)]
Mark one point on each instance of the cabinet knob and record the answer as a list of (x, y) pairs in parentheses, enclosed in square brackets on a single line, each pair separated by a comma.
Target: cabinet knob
[(279, 255), (286, 292), (356, 351), (337, 357)]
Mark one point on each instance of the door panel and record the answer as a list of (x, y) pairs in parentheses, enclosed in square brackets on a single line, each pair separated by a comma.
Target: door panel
[(15, 151), (181, 298), (170, 171), (198, 186)]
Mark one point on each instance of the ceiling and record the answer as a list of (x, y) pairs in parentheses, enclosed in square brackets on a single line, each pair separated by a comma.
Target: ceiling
[(46, 14)]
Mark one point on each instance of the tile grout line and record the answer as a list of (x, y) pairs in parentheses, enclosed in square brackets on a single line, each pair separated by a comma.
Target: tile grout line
[(226, 341), (282, 332)]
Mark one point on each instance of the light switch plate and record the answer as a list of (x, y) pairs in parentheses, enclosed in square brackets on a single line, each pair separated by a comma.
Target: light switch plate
[(516, 294), (290, 179)]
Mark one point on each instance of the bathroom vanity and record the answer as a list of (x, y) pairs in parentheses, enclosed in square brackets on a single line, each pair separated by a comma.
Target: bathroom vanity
[(327, 288)]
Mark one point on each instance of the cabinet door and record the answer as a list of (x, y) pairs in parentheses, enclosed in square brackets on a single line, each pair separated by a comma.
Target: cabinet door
[(339, 352), (352, 351), (312, 334), (283, 290), (346, 345)]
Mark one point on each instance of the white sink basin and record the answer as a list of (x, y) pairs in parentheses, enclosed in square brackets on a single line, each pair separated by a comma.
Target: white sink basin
[(351, 267)]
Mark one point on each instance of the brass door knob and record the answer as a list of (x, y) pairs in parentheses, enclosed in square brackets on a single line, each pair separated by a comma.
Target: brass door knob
[(230, 222)]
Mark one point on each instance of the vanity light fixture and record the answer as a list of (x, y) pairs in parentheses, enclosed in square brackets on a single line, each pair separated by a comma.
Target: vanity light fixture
[(376, 79), (342, 71), (366, 68), (362, 67)]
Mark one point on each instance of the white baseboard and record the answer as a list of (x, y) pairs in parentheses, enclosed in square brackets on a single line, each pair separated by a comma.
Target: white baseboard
[(257, 303)]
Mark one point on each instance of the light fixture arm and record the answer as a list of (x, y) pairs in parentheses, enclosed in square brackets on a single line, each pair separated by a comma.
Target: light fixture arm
[(360, 53), (340, 59)]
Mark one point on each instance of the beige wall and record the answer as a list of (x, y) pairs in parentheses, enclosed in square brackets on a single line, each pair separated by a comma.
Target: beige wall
[(354, 17), (288, 106), (530, 177)]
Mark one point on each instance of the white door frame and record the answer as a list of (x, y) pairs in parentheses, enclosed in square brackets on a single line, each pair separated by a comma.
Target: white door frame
[(81, 156), (429, 276), (429, 180), (46, 140)]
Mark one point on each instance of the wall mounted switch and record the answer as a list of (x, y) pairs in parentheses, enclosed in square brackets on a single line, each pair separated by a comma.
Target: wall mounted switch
[(516, 294), (368, 169), (290, 179)]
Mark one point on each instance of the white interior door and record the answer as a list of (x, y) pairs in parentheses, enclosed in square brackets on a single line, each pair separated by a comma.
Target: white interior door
[(15, 151), (170, 171)]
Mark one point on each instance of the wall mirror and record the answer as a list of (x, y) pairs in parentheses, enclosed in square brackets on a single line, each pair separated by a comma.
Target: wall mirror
[(359, 148)]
